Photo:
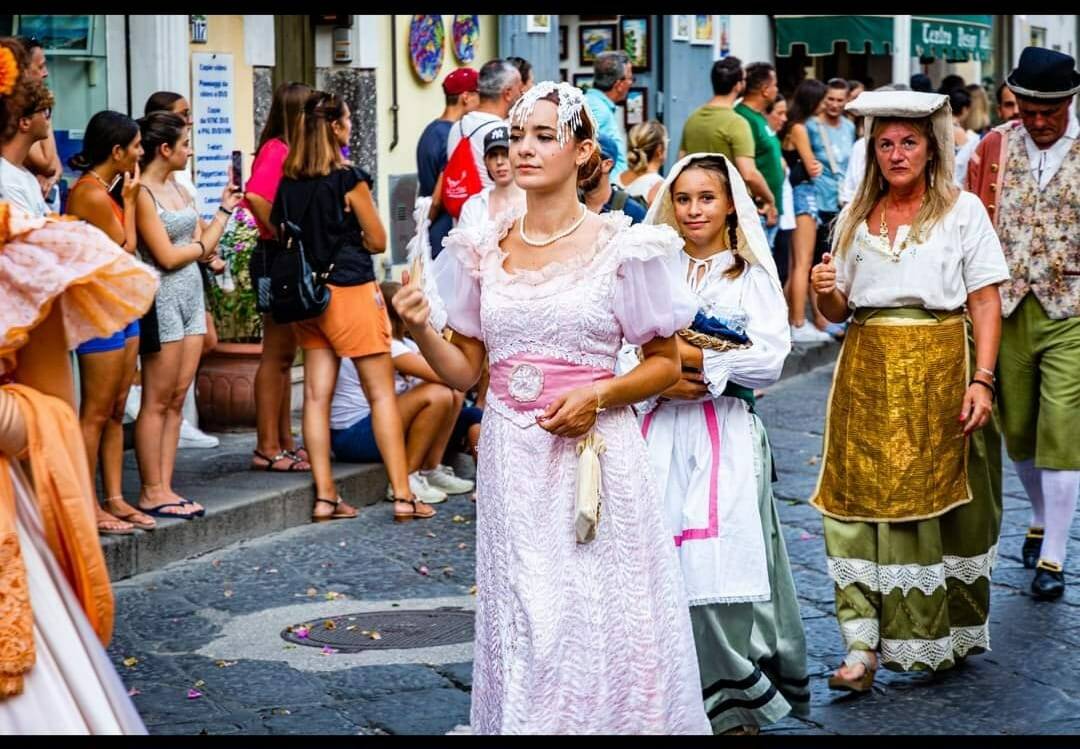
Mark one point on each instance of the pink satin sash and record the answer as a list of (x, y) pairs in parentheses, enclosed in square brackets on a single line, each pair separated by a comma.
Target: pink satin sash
[(530, 382)]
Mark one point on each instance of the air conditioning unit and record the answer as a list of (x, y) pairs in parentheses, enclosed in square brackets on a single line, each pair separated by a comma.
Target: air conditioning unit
[(402, 227)]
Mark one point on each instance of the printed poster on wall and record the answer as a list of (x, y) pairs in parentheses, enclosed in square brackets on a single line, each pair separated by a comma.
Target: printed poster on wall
[(213, 111)]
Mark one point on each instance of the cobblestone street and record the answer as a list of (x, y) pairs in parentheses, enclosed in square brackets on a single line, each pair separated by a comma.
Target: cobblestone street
[(199, 643)]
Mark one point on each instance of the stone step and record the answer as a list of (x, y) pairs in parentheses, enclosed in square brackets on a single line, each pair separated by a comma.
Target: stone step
[(242, 504)]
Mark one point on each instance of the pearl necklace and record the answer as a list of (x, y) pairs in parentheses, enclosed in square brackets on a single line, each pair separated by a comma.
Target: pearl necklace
[(555, 237)]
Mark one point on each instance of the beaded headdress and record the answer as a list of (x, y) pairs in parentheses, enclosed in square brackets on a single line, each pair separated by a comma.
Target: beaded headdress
[(572, 108)]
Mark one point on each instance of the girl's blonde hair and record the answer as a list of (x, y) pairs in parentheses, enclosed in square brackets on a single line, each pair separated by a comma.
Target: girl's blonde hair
[(644, 141), (941, 193), (315, 152), (978, 118)]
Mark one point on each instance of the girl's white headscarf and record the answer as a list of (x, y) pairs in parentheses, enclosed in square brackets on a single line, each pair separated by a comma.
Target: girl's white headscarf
[(755, 249)]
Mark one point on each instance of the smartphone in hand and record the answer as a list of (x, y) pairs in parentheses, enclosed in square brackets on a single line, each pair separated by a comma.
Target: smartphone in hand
[(238, 170)]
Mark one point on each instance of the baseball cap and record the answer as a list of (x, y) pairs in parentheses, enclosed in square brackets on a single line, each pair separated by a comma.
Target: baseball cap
[(460, 81), (499, 137), (608, 147)]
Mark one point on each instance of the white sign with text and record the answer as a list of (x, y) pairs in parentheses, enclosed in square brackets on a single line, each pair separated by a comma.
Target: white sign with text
[(212, 135)]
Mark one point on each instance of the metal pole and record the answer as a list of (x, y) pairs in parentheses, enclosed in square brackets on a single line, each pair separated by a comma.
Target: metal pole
[(393, 80)]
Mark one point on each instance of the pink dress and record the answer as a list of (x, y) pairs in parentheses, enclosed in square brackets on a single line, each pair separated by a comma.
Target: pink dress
[(589, 638)]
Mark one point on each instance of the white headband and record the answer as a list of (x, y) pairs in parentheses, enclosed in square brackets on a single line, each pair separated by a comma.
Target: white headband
[(572, 108)]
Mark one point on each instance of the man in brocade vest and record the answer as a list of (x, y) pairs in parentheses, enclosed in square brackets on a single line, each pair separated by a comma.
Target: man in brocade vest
[(1027, 173)]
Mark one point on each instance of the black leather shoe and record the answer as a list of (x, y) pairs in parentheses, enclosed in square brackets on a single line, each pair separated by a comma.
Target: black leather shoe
[(1032, 547), (1049, 582)]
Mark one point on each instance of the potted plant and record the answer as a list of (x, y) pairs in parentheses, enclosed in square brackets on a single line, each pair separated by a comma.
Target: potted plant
[(225, 386)]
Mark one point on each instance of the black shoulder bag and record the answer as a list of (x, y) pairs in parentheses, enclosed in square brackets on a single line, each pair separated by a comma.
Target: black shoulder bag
[(297, 290)]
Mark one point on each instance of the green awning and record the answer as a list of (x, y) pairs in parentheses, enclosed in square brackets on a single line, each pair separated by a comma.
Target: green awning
[(821, 33), (952, 37)]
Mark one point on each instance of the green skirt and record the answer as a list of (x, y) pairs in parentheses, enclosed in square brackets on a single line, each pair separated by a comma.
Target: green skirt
[(752, 656), (919, 592)]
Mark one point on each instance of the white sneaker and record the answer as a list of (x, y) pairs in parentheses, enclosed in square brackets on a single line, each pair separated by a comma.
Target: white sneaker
[(443, 479), (421, 489), (807, 333), (192, 436), (132, 404)]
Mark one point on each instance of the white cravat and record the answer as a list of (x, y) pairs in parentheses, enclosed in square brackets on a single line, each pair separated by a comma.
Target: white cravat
[(1046, 161)]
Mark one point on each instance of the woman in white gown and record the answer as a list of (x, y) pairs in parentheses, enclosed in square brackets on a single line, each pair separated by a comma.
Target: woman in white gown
[(570, 637), (711, 457)]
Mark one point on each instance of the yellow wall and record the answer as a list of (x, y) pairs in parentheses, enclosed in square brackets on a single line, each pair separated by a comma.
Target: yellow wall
[(418, 103), (225, 34)]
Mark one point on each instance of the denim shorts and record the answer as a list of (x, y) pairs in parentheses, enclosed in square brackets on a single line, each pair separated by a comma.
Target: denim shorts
[(356, 444), (804, 197), (109, 343)]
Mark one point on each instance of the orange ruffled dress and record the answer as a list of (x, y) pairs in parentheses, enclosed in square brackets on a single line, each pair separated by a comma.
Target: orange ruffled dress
[(56, 604)]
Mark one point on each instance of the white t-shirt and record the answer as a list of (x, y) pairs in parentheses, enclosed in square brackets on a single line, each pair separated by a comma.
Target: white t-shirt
[(19, 187), (349, 405), (641, 185), (962, 254), (855, 171), (482, 123), (474, 212)]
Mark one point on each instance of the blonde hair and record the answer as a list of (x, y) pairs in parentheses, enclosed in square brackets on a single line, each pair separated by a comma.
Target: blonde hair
[(940, 195), (315, 152), (978, 118), (643, 142)]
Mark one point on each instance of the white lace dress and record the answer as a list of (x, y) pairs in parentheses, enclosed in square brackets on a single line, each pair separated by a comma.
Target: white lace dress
[(571, 638)]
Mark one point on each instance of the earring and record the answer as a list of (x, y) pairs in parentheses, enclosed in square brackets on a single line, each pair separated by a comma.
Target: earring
[(931, 176)]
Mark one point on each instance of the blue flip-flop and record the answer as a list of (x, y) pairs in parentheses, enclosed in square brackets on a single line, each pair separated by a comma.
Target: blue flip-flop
[(157, 512), (199, 514)]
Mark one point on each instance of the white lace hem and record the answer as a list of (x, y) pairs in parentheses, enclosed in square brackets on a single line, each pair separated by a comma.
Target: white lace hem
[(759, 598), (865, 631), (600, 361), (884, 578), (960, 642)]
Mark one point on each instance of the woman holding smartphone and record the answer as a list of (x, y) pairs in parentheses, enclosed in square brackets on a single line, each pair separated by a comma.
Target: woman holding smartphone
[(172, 239)]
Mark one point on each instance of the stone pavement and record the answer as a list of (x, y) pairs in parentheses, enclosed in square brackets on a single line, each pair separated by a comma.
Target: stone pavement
[(212, 624)]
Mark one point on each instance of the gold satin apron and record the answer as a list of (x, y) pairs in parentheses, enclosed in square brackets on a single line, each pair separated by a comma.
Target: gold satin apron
[(894, 448)]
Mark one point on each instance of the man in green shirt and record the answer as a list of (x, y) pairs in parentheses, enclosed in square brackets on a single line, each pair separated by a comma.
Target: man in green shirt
[(716, 127), (760, 92)]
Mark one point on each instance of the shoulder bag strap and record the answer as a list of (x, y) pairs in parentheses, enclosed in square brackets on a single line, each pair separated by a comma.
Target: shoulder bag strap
[(823, 129)]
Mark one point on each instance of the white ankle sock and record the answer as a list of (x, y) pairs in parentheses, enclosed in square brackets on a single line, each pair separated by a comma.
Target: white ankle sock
[(1029, 477), (1060, 489)]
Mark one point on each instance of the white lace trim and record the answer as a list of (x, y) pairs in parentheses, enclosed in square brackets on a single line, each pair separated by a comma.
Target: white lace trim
[(934, 652), (884, 578), (600, 361), (865, 631)]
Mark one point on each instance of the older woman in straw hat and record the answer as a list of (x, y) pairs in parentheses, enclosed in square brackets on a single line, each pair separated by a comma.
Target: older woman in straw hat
[(910, 481)]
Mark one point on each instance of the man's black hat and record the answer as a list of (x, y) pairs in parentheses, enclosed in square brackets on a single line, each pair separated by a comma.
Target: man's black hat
[(1044, 74)]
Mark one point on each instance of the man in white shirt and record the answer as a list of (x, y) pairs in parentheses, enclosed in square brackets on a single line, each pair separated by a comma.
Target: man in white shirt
[(1028, 176), (499, 86), (17, 184)]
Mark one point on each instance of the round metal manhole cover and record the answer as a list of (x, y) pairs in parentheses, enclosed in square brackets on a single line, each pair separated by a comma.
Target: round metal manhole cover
[(385, 630)]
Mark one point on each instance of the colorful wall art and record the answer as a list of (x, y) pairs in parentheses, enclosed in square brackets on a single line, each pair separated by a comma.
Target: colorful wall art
[(426, 42)]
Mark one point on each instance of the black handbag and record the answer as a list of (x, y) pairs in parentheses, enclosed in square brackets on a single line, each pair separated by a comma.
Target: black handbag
[(297, 290)]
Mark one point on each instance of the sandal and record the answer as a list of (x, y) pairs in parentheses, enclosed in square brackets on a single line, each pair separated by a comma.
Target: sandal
[(104, 522), (143, 525), (299, 454), (295, 464), (198, 513), (337, 514), (861, 683), (158, 512), (416, 513)]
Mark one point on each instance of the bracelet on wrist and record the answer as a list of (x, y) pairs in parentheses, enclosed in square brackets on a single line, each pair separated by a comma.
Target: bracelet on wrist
[(599, 400), (225, 210), (988, 386), (987, 372)]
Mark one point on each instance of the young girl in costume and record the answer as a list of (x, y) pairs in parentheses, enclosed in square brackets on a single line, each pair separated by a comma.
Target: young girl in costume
[(712, 460)]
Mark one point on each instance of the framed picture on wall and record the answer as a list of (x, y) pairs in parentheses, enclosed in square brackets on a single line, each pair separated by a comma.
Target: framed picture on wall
[(636, 106), (635, 41), (594, 39), (538, 24), (563, 33), (703, 30), (583, 80), (681, 27)]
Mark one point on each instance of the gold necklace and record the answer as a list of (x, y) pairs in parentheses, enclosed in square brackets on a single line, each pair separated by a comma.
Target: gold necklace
[(883, 233), (99, 179)]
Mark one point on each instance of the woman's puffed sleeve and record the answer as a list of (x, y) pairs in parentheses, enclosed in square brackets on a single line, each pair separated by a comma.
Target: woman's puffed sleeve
[(457, 278), (651, 298)]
